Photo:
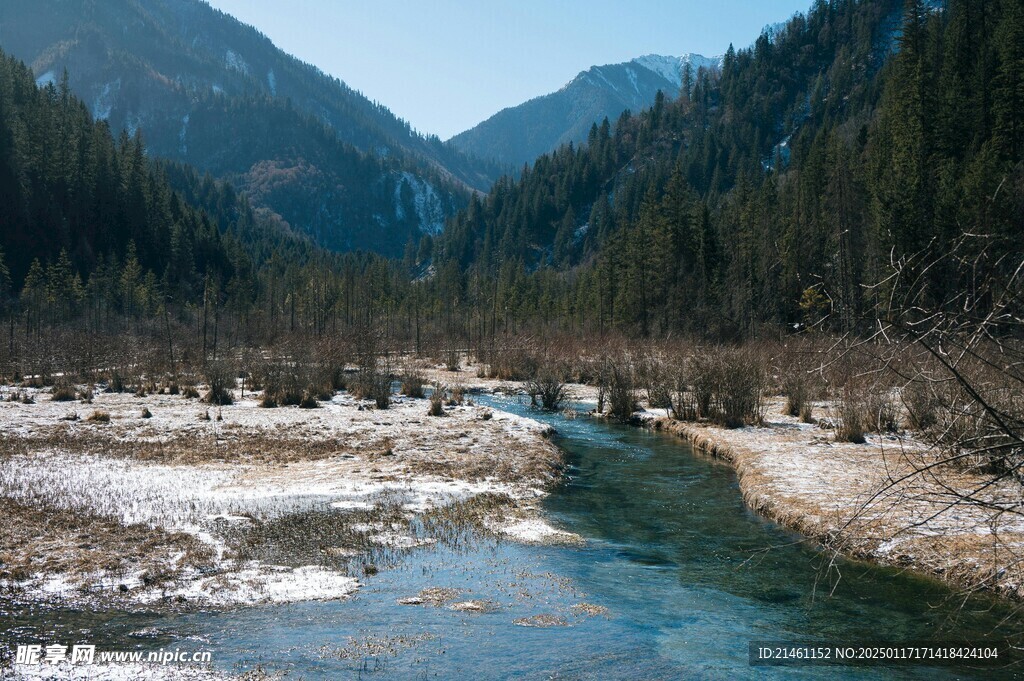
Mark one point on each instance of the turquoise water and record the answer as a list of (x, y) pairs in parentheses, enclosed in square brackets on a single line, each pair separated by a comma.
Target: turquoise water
[(687, 574)]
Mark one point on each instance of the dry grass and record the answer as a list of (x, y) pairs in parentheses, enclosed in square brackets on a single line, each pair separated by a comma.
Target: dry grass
[(99, 416), (34, 541)]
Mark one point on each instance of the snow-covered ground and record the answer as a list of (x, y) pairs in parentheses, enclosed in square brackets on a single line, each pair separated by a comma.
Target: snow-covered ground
[(467, 377), (196, 469)]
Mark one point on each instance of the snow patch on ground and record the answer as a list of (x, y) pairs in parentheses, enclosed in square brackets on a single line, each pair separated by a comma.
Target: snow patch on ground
[(261, 584), (536, 531), (500, 453)]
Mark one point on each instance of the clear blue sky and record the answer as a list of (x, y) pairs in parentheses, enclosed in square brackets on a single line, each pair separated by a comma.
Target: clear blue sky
[(446, 65)]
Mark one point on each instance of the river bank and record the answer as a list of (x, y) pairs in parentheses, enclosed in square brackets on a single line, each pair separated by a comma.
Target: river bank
[(883, 500)]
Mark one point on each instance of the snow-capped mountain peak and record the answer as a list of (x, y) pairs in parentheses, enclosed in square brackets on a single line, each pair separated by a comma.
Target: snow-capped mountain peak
[(672, 68)]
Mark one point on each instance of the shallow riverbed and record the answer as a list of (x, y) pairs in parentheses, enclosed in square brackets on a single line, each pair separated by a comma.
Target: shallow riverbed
[(673, 581)]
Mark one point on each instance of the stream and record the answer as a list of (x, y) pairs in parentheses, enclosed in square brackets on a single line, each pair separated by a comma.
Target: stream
[(675, 578)]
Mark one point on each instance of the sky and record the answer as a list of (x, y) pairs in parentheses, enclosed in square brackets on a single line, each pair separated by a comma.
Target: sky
[(446, 65)]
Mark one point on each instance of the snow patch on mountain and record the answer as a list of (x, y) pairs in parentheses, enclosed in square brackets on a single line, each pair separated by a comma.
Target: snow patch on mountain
[(632, 78), (233, 60), (272, 82), (603, 77), (425, 202), (184, 131), (47, 78), (103, 104), (672, 68)]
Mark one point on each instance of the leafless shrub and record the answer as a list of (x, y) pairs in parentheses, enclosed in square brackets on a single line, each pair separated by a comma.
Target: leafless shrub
[(921, 403), (327, 367), (549, 387), (704, 370), (654, 375), (456, 395), (220, 377), (683, 399), (412, 382), (794, 387), (281, 380), (728, 385), (851, 408), (308, 401), (452, 358), (516, 361), (741, 387), (99, 416), (373, 384), (621, 389), (436, 401), (63, 392), (881, 412)]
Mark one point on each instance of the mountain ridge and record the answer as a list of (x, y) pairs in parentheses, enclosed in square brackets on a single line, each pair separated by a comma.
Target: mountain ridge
[(519, 134), (216, 94)]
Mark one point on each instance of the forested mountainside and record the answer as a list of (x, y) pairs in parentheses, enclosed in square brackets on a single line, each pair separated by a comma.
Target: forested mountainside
[(92, 226), (519, 134), (211, 92), (861, 137)]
